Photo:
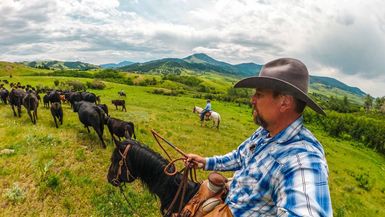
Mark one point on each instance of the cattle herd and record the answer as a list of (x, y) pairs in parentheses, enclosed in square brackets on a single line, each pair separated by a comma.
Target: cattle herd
[(87, 105)]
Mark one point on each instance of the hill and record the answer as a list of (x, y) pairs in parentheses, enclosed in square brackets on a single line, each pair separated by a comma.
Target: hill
[(202, 63), (198, 63), (60, 65), (8, 68), (333, 83), (116, 65)]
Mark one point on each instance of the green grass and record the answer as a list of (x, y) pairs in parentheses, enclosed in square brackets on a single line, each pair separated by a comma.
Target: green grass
[(62, 172)]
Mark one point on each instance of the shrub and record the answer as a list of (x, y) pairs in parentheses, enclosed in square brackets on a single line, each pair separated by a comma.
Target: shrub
[(56, 82), (76, 85), (96, 84), (108, 73)]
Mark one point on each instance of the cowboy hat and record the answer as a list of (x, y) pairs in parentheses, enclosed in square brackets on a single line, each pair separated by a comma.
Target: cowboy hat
[(285, 75)]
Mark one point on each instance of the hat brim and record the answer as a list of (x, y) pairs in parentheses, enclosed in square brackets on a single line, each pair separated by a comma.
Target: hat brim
[(278, 85)]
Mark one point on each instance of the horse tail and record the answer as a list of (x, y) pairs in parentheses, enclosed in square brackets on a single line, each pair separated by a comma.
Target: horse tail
[(219, 121)]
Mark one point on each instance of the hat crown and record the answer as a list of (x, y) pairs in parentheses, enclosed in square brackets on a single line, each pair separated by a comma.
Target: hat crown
[(288, 70)]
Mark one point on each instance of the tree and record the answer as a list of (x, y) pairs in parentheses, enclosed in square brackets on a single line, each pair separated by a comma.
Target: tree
[(368, 102), (379, 101)]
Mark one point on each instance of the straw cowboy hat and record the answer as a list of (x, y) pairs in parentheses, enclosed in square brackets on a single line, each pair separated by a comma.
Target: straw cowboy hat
[(284, 75)]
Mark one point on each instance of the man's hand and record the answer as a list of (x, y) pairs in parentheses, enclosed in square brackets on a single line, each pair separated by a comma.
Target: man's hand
[(195, 161)]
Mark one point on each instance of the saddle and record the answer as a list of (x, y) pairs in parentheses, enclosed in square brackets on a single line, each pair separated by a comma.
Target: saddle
[(207, 115), (210, 194)]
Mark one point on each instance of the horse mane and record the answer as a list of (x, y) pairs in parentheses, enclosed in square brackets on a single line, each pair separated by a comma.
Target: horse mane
[(148, 166)]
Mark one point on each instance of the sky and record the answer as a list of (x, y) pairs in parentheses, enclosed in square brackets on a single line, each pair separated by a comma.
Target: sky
[(343, 39)]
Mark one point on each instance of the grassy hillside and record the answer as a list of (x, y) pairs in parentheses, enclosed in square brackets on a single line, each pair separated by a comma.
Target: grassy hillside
[(62, 172), (15, 69)]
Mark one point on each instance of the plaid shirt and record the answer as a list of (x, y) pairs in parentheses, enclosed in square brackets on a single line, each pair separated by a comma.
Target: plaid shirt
[(285, 175)]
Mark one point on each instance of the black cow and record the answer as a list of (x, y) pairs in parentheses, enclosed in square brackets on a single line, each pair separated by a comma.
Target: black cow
[(16, 99), (74, 97), (4, 93), (89, 97), (91, 115), (31, 103), (120, 128), (57, 112), (54, 96), (104, 107), (46, 100), (119, 102)]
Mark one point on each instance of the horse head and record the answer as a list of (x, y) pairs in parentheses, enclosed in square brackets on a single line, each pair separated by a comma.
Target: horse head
[(120, 169), (131, 160)]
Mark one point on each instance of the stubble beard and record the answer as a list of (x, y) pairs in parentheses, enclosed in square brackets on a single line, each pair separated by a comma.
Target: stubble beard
[(259, 120)]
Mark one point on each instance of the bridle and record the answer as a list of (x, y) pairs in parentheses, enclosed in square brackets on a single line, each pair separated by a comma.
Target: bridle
[(122, 162), (129, 175)]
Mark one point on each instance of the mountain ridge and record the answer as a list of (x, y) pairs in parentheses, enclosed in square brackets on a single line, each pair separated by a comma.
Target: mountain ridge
[(198, 62)]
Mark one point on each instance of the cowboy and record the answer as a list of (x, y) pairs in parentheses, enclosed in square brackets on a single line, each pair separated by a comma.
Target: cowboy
[(206, 109), (280, 170)]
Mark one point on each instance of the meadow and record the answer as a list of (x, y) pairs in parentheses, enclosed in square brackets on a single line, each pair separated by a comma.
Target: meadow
[(62, 172)]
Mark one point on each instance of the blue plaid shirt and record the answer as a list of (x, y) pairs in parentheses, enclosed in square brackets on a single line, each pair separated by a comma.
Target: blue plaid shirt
[(284, 175)]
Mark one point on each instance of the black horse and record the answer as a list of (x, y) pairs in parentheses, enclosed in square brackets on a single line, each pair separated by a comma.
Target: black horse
[(143, 163)]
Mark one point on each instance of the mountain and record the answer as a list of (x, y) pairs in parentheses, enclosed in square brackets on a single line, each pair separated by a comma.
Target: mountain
[(116, 65), (60, 65), (333, 83), (201, 62), (196, 62)]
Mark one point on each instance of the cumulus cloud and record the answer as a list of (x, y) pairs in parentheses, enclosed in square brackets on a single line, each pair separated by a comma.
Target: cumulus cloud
[(344, 37)]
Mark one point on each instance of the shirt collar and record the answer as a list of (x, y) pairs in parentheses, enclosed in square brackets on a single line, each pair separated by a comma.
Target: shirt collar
[(284, 135), (290, 131)]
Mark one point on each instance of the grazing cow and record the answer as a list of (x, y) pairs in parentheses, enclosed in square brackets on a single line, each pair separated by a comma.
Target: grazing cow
[(4, 93), (89, 97), (104, 107), (74, 97), (31, 103), (16, 99), (57, 112), (91, 115), (46, 100), (119, 102), (120, 128), (122, 93), (54, 96)]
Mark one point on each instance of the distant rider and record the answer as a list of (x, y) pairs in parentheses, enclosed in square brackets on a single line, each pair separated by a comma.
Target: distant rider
[(206, 109)]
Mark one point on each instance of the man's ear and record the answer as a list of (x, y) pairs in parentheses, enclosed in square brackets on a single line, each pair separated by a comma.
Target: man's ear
[(287, 102)]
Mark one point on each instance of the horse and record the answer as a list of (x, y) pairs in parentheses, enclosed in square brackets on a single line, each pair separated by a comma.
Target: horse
[(131, 160), (215, 116)]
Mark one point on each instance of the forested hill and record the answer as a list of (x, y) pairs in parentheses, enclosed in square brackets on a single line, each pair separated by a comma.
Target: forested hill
[(201, 63), (60, 65), (331, 82), (197, 62)]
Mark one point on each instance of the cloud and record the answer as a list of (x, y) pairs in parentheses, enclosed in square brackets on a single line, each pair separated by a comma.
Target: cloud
[(345, 36)]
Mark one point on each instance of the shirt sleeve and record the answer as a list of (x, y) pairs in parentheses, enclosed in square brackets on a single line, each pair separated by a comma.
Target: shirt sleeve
[(302, 187)]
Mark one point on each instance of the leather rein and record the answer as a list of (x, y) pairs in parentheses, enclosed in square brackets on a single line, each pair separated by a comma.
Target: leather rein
[(186, 171)]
